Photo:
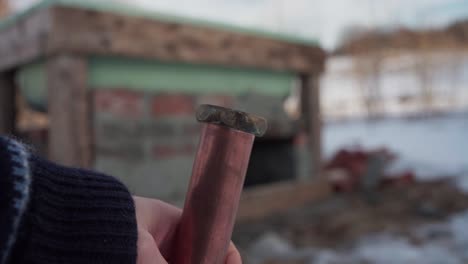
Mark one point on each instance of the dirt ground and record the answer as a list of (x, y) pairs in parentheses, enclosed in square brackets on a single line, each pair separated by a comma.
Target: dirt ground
[(340, 220)]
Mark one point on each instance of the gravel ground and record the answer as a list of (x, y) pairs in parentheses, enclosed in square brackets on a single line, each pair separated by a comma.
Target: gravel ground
[(406, 224)]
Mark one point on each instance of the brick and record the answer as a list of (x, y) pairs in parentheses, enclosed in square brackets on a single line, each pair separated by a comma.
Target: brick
[(220, 100), (188, 149), (300, 139), (191, 129), (130, 151), (171, 151), (159, 129), (164, 152), (123, 103), (116, 129), (172, 105)]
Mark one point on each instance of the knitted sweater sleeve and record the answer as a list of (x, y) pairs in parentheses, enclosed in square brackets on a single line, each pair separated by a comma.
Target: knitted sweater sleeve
[(53, 214)]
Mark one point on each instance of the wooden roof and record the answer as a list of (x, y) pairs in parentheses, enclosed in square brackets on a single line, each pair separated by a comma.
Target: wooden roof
[(65, 26)]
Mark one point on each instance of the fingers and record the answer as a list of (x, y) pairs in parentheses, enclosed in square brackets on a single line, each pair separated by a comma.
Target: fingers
[(147, 251), (164, 221), (160, 220), (165, 227), (233, 256), (157, 222)]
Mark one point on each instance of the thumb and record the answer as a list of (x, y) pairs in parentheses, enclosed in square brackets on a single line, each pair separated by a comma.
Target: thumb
[(233, 256)]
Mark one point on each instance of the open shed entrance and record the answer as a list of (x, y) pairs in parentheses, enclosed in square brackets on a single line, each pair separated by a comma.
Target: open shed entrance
[(272, 160)]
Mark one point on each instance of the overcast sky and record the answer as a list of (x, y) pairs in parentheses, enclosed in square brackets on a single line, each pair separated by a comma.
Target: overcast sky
[(324, 20)]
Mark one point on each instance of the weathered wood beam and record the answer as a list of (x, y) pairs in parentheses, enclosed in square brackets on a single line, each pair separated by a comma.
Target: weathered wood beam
[(25, 40), (310, 108), (69, 109), (7, 103), (108, 33), (264, 201), (4, 8), (66, 30)]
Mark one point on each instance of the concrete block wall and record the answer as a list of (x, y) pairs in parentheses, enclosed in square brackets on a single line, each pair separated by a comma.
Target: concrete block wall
[(149, 140), (144, 131)]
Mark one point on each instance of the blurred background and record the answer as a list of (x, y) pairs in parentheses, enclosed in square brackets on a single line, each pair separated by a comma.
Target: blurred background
[(366, 157)]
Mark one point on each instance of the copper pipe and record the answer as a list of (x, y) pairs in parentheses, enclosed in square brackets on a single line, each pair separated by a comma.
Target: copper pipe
[(216, 184)]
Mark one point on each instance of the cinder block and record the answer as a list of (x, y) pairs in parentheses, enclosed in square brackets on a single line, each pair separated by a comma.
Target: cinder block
[(280, 125), (111, 130), (159, 129), (122, 103), (300, 139), (172, 105), (220, 100), (191, 129), (161, 152), (165, 179), (130, 150)]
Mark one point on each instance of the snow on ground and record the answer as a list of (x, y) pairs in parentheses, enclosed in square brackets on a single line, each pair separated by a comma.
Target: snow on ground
[(445, 243), (442, 243), (432, 147)]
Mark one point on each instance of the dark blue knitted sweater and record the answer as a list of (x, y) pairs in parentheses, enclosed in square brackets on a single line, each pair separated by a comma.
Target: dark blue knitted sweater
[(52, 214)]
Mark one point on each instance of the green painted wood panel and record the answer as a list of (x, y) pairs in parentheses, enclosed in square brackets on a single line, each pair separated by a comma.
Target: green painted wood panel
[(153, 76), (109, 73), (33, 84)]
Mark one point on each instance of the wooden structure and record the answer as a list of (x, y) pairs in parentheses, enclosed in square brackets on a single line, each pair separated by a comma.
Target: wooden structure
[(4, 8), (66, 38)]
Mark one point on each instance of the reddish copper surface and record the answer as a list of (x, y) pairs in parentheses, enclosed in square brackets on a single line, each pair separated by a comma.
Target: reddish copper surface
[(213, 195)]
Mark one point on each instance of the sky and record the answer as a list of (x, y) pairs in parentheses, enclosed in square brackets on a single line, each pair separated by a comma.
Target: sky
[(324, 21)]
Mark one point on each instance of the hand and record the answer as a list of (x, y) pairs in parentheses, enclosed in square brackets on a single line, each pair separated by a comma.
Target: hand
[(157, 222)]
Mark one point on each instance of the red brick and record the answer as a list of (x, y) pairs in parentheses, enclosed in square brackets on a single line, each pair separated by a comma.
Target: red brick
[(172, 105), (119, 102), (188, 149), (300, 139), (169, 151), (164, 152), (221, 100), (191, 129)]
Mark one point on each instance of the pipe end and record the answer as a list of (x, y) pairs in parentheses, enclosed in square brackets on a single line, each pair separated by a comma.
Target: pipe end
[(234, 119)]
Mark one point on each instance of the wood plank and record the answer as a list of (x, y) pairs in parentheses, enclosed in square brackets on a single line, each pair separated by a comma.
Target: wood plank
[(46, 31), (25, 40), (260, 202), (4, 8), (310, 108), (7, 103), (107, 33), (69, 108)]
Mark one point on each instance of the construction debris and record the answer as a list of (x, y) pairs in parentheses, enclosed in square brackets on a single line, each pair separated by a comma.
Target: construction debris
[(344, 219), (364, 170)]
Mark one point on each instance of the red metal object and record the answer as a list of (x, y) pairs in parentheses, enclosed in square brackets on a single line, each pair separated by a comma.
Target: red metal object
[(348, 168), (216, 184)]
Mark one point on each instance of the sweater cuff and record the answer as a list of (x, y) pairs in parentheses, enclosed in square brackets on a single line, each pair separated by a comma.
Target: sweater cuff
[(15, 181), (75, 216)]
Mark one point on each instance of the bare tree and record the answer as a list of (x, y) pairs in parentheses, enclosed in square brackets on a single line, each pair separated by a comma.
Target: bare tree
[(367, 71), (423, 68), (455, 65)]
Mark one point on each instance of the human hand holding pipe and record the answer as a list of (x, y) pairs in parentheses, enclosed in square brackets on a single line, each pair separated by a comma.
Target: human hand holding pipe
[(202, 232)]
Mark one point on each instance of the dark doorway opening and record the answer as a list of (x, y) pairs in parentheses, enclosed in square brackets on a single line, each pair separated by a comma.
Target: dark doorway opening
[(272, 160)]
